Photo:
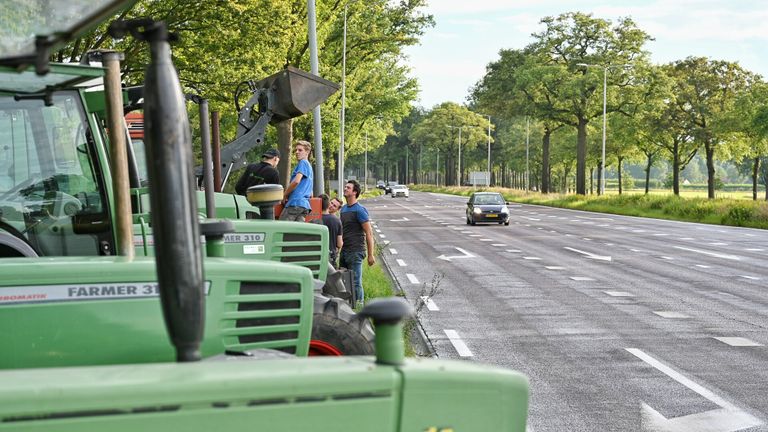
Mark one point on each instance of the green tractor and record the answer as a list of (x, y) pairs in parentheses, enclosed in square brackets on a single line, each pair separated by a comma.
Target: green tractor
[(82, 342)]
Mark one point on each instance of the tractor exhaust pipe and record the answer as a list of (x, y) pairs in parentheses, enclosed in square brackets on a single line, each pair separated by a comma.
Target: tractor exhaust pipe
[(172, 191)]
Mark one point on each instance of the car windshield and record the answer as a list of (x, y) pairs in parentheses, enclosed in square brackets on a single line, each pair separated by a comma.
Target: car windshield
[(488, 199)]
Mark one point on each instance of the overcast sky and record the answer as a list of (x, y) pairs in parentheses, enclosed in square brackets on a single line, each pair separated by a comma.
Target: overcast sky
[(468, 35)]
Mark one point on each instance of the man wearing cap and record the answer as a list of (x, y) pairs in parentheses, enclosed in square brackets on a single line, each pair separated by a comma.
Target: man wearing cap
[(263, 172)]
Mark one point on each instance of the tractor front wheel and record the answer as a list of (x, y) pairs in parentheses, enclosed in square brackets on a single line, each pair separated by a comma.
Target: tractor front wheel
[(337, 330)]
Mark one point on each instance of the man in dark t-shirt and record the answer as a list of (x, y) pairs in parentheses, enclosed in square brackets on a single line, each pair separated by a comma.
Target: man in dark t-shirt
[(357, 235), (263, 172), (334, 230)]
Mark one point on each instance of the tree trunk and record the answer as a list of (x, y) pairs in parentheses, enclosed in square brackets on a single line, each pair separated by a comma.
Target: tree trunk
[(676, 171), (591, 181), (545, 160), (710, 150), (619, 168), (284, 142), (600, 177), (648, 166), (581, 157), (755, 168)]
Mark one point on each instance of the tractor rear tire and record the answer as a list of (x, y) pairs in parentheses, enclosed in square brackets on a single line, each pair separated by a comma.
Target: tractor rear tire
[(337, 330)]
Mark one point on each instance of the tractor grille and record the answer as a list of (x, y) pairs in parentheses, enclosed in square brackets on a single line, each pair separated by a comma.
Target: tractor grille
[(263, 315), (301, 249)]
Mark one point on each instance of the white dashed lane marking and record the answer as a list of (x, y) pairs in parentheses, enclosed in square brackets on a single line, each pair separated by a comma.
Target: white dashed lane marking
[(458, 344), (393, 251), (738, 341), (671, 314), (619, 294), (401, 263), (429, 303), (412, 278)]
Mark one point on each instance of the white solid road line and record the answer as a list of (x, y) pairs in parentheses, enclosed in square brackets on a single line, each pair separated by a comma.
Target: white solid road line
[(458, 344), (668, 371), (412, 278), (727, 418), (429, 303)]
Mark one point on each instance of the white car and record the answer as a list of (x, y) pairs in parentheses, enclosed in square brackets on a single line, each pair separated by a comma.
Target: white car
[(399, 190)]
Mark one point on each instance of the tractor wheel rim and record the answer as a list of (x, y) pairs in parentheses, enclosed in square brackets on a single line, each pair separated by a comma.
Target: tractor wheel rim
[(321, 348)]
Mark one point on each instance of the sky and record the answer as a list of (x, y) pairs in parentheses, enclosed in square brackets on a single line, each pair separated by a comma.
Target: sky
[(469, 34)]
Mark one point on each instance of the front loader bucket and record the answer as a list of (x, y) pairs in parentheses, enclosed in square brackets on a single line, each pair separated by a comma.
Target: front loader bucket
[(297, 92)]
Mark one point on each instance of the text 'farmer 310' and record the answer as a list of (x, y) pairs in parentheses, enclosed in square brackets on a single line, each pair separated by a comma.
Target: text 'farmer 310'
[(82, 348)]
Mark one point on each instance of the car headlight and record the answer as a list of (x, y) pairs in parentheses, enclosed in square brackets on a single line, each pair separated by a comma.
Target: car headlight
[(476, 210), (504, 209)]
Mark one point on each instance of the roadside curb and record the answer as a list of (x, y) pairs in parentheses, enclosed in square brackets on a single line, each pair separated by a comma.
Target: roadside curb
[(419, 339)]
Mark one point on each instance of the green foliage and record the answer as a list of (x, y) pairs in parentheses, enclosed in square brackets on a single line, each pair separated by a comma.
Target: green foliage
[(627, 182), (222, 44), (739, 215)]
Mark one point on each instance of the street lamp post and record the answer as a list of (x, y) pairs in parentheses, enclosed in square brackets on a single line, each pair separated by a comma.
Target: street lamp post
[(343, 100), (316, 121), (458, 163), (365, 176), (601, 187), (527, 141), (488, 179)]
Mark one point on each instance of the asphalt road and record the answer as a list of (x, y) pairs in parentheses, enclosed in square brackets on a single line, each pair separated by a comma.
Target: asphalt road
[(621, 323)]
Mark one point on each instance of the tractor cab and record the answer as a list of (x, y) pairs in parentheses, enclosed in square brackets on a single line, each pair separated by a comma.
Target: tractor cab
[(52, 200)]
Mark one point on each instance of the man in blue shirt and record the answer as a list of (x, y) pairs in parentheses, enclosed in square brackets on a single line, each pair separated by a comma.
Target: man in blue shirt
[(299, 191), (357, 236)]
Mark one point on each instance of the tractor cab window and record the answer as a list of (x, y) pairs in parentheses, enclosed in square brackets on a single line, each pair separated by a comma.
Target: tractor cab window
[(50, 195)]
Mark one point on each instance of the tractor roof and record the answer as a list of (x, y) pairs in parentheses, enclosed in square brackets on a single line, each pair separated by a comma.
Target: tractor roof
[(60, 75)]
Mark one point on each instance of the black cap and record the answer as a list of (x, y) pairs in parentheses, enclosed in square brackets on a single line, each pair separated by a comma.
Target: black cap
[(271, 153)]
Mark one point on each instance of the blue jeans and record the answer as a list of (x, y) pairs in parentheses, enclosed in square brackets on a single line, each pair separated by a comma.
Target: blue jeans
[(353, 261)]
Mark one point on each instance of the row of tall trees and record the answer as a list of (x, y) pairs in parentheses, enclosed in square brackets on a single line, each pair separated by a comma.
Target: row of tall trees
[(669, 112), (222, 44)]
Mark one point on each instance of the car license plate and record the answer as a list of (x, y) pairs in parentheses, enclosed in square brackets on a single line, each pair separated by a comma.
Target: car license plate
[(491, 215)]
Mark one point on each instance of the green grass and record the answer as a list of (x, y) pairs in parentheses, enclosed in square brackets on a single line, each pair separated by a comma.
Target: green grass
[(377, 283), (690, 208)]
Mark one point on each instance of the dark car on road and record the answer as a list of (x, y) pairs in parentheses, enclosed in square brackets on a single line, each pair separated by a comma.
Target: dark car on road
[(487, 207), (381, 185), (388, 187)]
